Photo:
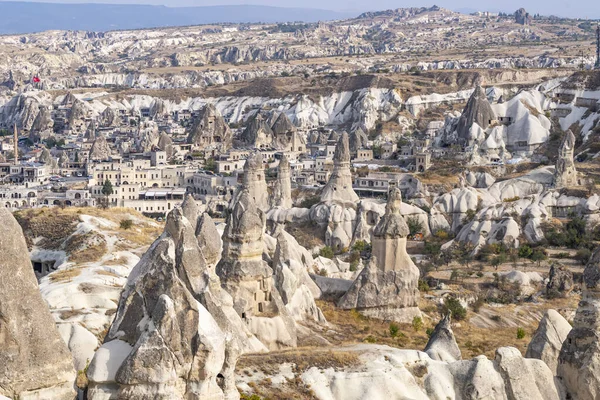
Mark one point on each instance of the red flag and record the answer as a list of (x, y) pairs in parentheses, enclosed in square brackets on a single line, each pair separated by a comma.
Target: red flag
[(36, 79)]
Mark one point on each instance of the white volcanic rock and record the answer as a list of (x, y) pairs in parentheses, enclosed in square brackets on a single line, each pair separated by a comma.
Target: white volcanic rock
[(100, 150), (34, 361), (282, 194), (480, 179), (579, 359), (337, 209), (254, 182), (339, 187), (249, 279), (386, 373), (565, 174), (258, 133), (548, 339), (210, 130), (298, 290), (442, 344), (478, 112), (177, 323), (387, 287)]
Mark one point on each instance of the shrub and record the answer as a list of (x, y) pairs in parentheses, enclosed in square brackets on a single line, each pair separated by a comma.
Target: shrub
[(583, 255), (469, 216), (323, 272), (478, 304), (525, 251), (453, 306), (414, 226), (480, 274), (309, 202), (429, 331), (394, 329), (360, 246), (496, 318), (417, 324), (520, 333), (371, 339), (423, 286), (126, 224), (326, 252)]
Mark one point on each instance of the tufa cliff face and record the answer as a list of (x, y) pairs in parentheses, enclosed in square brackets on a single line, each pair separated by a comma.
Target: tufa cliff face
[(211, 131), (579, 360), (34, 360), (477, 111), (249, 279), (175, 333)]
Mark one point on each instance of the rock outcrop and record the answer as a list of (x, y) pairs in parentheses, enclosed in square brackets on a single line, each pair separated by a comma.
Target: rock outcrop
[(477, 113), (254, 182), (579, 360), (337, 210), (358, 140), (565, 174), (560, 281), (100, 150), (339, 187), (175, 333), (258, 133), (388, 287), (34, 360), (165, 143), (211, 131), (282, 195), (522, 17), (548, 339), (48, 160), (284, 133), (442, 344), (386, 373), (249, 279)]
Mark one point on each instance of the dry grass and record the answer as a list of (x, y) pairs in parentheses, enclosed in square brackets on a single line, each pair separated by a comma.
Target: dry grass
[(53, 226), (107, 273), (86, 248), (301, 358), (67, 314), (65, 275)]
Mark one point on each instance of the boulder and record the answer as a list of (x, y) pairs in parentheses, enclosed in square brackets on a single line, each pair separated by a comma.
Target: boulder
[(548, 339), (442, 344)]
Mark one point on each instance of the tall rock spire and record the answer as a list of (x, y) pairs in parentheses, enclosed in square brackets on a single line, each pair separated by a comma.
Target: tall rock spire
[(339, 187), (282, 196), (565, 174), (254, 180), (388, 287), (249, 279), (477, 111)]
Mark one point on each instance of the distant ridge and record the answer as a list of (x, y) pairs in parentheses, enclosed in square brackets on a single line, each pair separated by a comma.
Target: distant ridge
[(26, 17)]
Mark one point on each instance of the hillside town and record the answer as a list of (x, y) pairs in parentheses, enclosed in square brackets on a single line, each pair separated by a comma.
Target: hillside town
[(310, 211)]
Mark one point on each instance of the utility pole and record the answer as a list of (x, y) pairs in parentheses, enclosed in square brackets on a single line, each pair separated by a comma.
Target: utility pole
[(16, 145)]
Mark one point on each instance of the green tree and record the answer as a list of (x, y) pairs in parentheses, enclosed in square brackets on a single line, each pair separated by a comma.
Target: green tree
[(453, 306), (525, 251), (107, 189), (538, 256), (414, 226)]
